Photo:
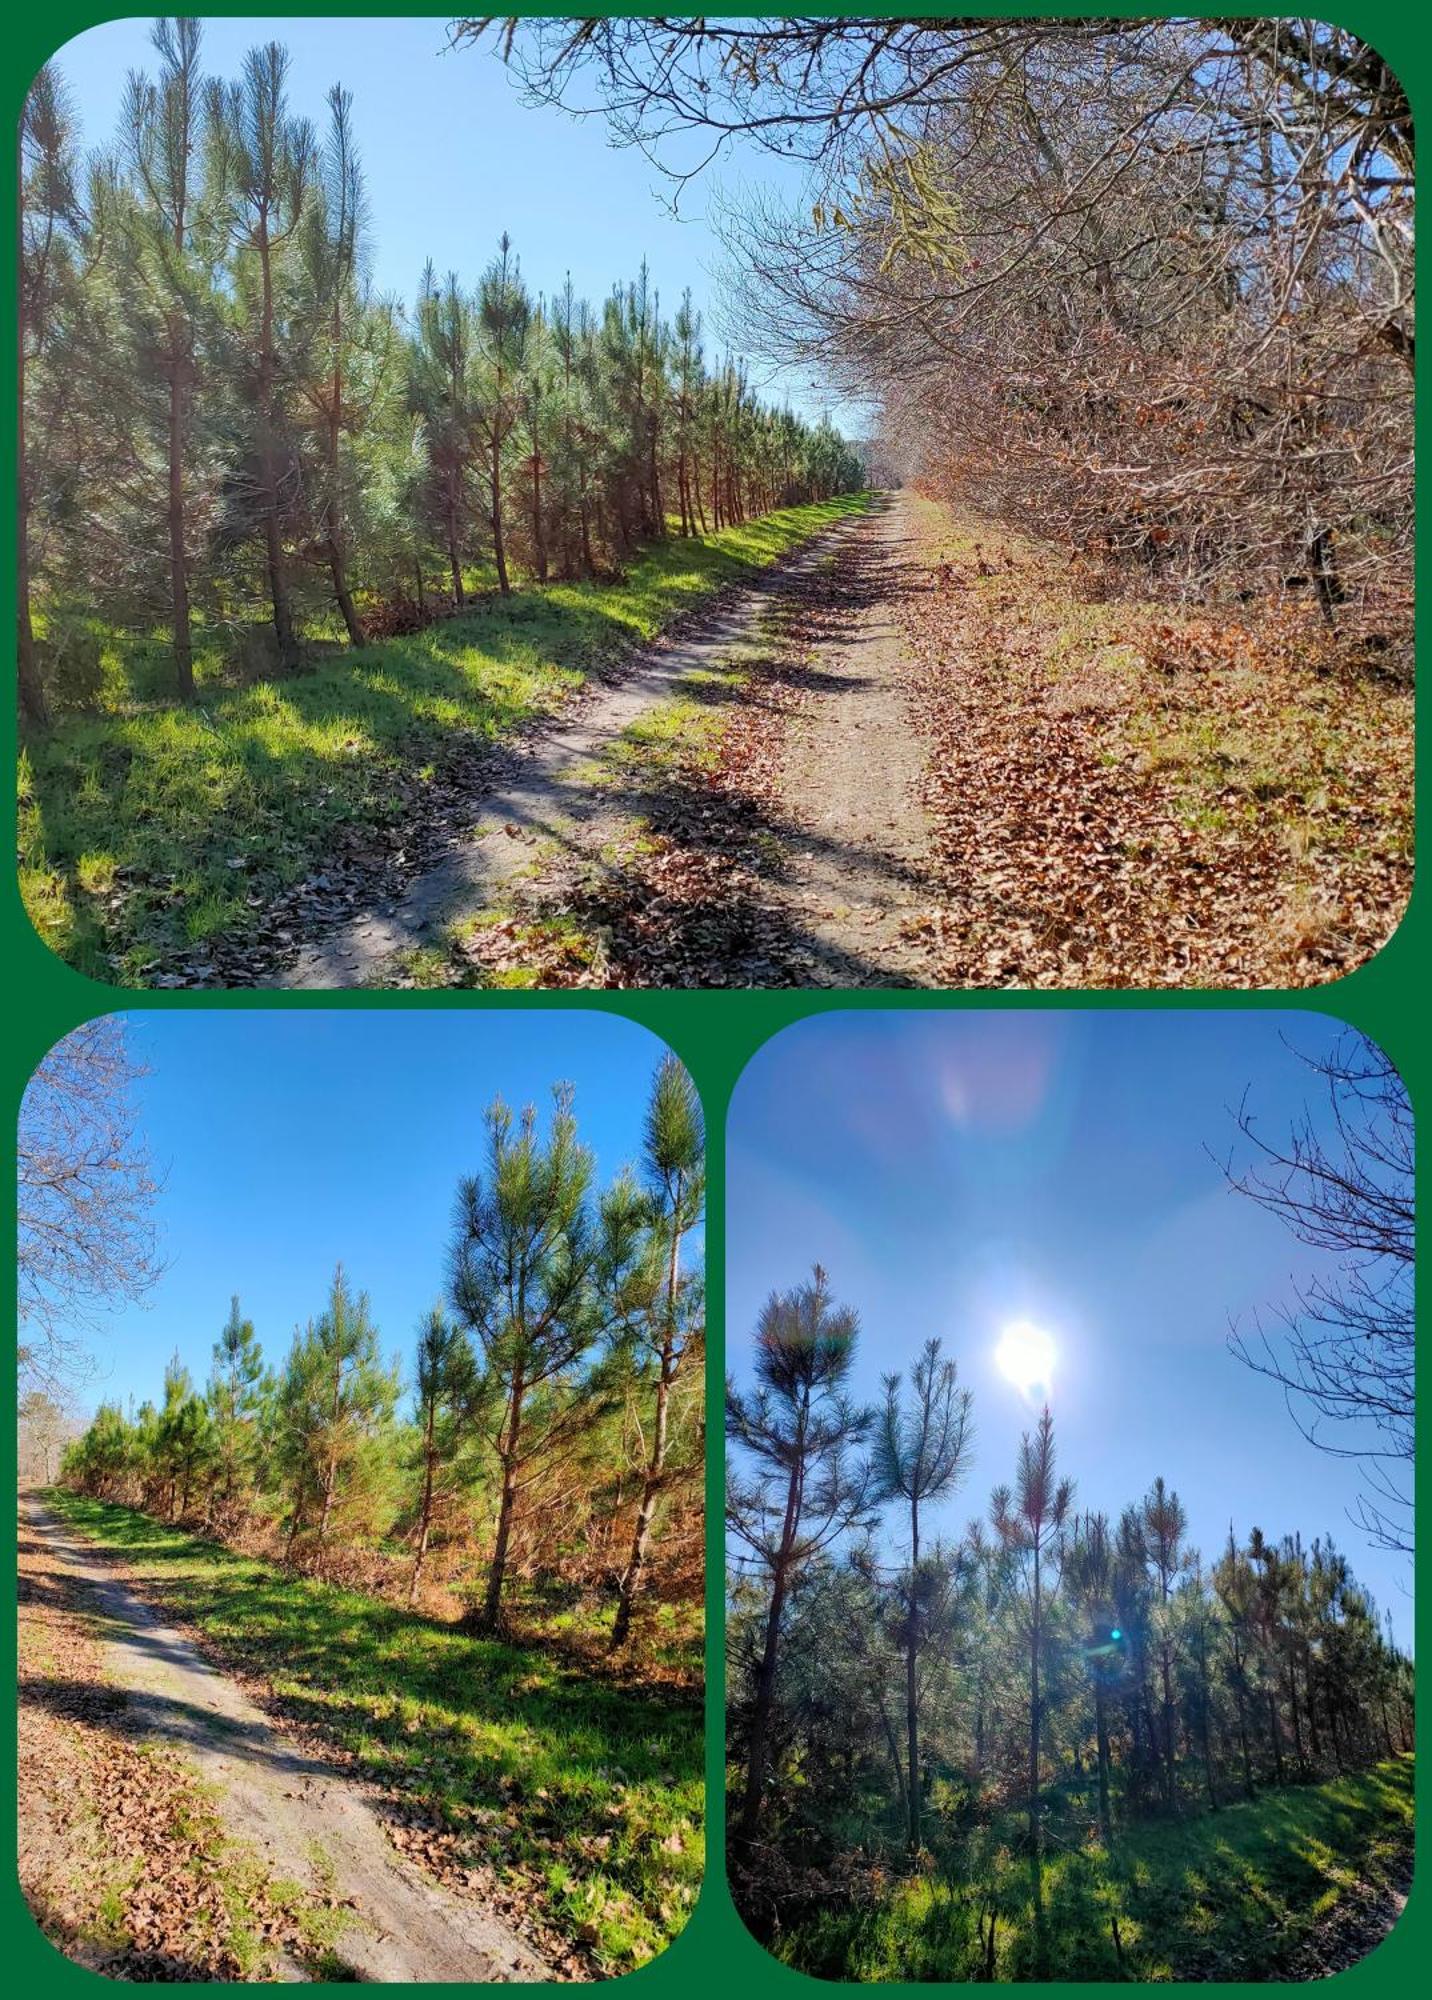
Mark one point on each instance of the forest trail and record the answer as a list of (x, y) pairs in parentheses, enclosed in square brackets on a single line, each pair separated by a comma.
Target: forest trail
[(305, 1821), (852, 876), (844, 833)]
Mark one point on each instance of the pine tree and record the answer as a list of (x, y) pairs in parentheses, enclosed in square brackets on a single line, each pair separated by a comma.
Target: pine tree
[(1164, 1525), (504, 324), (800, 1429), (448, 1414), (1028, 1523), (532, 1273), (235, 1392), (262, 163), (918, 1457), (669, 1321), (335, 1401), (442, 393), (342, 318), (165, 283), (50, 221)]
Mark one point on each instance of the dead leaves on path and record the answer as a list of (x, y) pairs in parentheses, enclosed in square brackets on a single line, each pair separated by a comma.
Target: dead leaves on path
[(122, 1857), (1124, 796)]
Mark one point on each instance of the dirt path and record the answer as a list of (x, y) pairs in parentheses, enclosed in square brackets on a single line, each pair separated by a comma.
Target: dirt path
[(303, 1820), (546, 801), (846, 837), (852, 878)]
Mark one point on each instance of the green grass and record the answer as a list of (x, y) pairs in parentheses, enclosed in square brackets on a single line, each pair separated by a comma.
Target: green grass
[(1229, 1895), (148, 829), (586, 1795)]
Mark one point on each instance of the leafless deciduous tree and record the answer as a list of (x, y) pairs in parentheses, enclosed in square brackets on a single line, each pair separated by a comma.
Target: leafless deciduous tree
[(1145, 286), (87, 1241), (1342, 1348)]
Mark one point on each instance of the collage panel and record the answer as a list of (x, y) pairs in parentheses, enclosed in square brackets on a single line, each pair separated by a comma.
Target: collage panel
[(361, 1571), (1069, 1619), (915, 503), (861, 513)]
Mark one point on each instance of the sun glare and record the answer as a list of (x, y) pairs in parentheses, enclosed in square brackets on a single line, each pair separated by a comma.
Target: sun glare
[(1025, 1356)]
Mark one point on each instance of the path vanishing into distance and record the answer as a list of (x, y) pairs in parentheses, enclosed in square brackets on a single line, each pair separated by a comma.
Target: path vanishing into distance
[(302, 1819), (804, 665)]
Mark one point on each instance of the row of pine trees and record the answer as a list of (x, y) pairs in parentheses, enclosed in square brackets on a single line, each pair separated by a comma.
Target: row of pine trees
[(554, 1399), (1082, 1671), (225, 429)]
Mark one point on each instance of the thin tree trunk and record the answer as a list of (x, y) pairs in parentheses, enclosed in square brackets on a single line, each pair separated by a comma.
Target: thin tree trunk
[(425, 1516), (757, 1748), (912, 1692), (34, 705), (489, 1619), (498, 549), (178, 554), (1101, 1734), (268, 472)]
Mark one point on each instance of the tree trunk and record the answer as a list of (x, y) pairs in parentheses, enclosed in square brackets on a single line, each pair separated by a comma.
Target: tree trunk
[(1101, 1733), (268, 473), (178, 554), (912, 1692), (489, 1618), (425, 1515), (539, 530), (1036, 1857), (498, 549), (766, 1679), (34, 706), (761, 1715)]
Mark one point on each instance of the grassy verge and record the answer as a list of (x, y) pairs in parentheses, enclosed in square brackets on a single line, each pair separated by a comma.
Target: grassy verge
[(1231, 1895), (147, 829), (585, 1796)]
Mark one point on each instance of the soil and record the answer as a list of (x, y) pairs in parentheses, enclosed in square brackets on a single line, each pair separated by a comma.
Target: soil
[(302, 1819)]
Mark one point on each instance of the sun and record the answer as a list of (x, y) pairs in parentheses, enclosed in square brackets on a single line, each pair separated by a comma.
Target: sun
[(1025, 1356)]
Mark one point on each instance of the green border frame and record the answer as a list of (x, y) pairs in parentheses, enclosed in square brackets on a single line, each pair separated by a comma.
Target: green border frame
[(715, 1034)]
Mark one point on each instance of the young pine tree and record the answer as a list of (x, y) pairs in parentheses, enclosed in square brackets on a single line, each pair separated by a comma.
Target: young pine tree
[(533, 1275), (669, 1320), (799, 1428), (235, 1393), (1029, 1523), (448, 1411), (335, 1402), (261, 165), (920, 1451), (165, 283), (504, 325)]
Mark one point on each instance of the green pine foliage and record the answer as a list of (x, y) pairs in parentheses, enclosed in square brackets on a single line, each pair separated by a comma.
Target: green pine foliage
[(536, 1466), (1056, 1746)]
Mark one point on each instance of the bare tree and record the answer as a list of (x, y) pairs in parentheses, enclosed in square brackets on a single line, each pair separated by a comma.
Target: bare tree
[(1145, 286), (87, 1240), (1342, 1348)]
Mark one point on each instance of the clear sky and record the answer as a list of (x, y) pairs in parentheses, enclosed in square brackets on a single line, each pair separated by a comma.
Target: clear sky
[(292, 1141), (957, 1172), (453, 157)]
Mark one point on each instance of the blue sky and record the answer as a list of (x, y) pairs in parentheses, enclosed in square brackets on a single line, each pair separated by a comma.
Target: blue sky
[(453, 157), (290, 1142), (957, 1172)]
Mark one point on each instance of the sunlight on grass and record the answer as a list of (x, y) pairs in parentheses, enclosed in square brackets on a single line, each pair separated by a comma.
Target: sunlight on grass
[(131, 819), (1222, 1896), (586, 1795)]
